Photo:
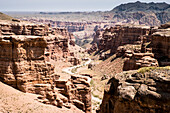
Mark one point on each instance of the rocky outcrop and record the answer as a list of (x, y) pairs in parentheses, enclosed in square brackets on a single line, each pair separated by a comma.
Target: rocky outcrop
[(74, 60), (117, 36), (142, 91), (141, 46), (75, 90), (138, 60), (57, 47), (97, 37), (58, 40), (160, 41), (134, 58), (22, 62)]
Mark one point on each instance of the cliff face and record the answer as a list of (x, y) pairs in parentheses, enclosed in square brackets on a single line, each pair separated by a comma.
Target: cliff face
[(138, 60), (27, 51), (141, 46), (160, 41), (117, 36), (142, 92), (22, 61), (70, 26), (58, 40)]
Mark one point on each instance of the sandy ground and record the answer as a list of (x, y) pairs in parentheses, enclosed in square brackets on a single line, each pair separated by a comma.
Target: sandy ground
[(14, 101)]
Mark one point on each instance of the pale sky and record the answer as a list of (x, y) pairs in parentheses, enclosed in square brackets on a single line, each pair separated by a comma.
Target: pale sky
[(65, 5)]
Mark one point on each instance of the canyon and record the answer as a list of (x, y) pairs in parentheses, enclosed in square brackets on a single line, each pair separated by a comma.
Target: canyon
[(135, 83), (32, 53), (115, 61), (84, 24), (28, 56)]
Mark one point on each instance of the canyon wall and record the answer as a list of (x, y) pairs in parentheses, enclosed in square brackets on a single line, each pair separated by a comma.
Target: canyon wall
[(160, 43), (70, 26), (144, 88), (117, 36), (27, 51), (22, 61), (141, 46)]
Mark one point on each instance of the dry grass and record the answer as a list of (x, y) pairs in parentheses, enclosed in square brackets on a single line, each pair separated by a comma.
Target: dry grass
[(148, 69)]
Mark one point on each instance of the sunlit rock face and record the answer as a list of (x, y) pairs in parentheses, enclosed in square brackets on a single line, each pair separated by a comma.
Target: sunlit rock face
[(25, 63)]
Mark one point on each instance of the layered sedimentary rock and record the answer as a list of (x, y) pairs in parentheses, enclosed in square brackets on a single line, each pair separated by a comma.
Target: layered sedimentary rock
[(116, 36), (70, 26), (97, 37), (160, 43), (134, 58), (138, 60), (57, 39), (141, 92), (75, 90), (22, 61), (25, 56), (57, 47), (141, 46)]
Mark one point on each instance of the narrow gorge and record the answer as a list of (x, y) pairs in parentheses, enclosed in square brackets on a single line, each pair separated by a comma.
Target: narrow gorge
[(115, 61)]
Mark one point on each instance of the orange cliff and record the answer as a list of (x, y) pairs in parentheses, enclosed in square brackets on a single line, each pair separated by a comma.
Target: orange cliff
[(25, 63)]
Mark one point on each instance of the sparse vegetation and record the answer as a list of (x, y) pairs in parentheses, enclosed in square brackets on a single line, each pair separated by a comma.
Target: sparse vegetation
[(148, 69), (74, 70), (92, 83)]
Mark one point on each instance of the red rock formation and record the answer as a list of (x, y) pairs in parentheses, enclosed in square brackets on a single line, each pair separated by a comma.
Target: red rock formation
[(26, 50), (70, 26), (160, 44), (160, 41), (22, 62), (117, 36)]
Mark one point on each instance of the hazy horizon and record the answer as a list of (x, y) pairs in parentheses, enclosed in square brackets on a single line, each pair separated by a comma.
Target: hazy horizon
[(64, 5)]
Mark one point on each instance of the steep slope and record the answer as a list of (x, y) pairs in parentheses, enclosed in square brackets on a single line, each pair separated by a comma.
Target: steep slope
[(142, 13), (5, 17), (139, 6), (12, 100)]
